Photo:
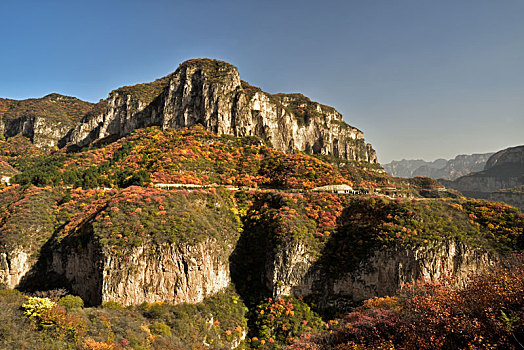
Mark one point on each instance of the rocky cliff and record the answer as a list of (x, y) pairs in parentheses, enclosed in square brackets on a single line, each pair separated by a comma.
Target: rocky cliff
[(406, 167), (172, 246), (210, 93), (294, 272), (146, 245), (504, 169), (175, 273), (15, 263), (439, 169), (512, 196), (46, 121)]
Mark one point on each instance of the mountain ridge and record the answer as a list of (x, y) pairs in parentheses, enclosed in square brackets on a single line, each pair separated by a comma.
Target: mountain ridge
[(200, 91), (451, 169)]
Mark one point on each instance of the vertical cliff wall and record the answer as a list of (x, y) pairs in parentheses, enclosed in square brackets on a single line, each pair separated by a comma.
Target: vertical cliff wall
[(210, 93), (45, 121), (292, 271), (503, 170), (175, 273), (15, 263)]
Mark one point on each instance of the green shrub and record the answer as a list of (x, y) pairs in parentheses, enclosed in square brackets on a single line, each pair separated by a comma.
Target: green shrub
[(71, 302), (112, 305), (280, 321), (160, 328)]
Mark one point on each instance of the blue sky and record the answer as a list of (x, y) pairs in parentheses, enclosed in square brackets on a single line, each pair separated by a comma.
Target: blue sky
[(422, 79)]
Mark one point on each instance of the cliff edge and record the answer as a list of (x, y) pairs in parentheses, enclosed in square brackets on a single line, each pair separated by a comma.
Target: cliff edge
[(210, 93)]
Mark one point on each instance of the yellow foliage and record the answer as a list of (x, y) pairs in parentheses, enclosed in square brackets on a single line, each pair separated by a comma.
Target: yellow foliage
[(91, 344), (382, 303), (35, 306)]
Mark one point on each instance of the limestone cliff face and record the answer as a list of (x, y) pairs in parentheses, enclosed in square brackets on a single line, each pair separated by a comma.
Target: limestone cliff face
[(43, 132), (504, 169), (513, 155), (293, 272), (15, 263), (514, 198), (172, 273), (210, 93), (46, 121), (439, 169)]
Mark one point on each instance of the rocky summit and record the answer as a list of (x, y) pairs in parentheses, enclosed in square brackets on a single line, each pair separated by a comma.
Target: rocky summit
[(201, 91), (199, 212)]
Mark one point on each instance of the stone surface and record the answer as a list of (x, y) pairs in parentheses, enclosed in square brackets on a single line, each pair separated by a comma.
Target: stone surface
[(439, 169), (514, 198), (211, 93), (15, 263), (45, 121), (149, 273), (293, 272), (504, 169)]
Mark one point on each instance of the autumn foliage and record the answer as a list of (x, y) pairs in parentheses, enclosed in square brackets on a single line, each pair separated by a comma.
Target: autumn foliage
[(486, 314)]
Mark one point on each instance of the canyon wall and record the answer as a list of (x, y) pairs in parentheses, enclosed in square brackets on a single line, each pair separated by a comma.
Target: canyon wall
[(210, 93)]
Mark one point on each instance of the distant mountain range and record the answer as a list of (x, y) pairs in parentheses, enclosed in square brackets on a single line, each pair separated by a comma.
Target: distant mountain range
[(502, 178), (438, 169)]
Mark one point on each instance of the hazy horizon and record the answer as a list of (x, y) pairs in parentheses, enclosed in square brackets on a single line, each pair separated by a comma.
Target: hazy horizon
[(422, 80)]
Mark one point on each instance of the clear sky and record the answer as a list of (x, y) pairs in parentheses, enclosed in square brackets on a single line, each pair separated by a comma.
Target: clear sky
[(422, 78)]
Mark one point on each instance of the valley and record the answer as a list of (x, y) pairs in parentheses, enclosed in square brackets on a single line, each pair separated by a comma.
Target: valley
[(198, 211)]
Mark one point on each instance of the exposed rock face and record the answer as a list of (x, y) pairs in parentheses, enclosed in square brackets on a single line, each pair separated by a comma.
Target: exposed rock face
[(150, 273), (46, 121), (439, 169), (211, 93), (43, 132), (510, 156), (206, 92), (292, 271), (514, 197), (504, 169), (171, 273), (459, 166), (15, 263), (406, 167)]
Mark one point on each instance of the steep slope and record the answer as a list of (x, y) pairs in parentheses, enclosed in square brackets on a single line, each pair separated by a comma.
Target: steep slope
[(45, 121), (193, 156), (339, 250), (513, 196), (504, 169), (335, 247), (210, 93), (142, 245), (439, 169)]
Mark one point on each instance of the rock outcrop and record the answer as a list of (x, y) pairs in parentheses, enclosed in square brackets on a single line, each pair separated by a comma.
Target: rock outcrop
[(172, 273), (504, 169), (15, 264), (512, 196), (200, 91), (210, 93), (406, 167), (138, 244), (46, 121), (292, 271), (451, 169)]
